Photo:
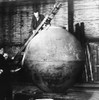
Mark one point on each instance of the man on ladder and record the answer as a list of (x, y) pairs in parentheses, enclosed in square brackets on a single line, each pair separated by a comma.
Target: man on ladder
[(37, 18), (46, 21)]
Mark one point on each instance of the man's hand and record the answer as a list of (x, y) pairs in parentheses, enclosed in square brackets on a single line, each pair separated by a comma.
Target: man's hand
[(1, 71), (34, 32), (15, 70)]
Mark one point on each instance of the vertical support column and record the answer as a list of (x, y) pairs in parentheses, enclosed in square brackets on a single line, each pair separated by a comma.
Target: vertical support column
[(70, 15), (3, 14), (21, 25)]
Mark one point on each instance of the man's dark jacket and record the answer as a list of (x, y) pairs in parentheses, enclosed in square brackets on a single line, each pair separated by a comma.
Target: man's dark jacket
[(36, 23)]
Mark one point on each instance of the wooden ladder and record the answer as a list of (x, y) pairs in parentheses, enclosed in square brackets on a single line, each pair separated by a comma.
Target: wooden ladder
[(42, 25)]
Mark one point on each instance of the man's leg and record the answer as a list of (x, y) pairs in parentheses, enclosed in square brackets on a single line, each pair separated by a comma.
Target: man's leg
[(9, 94)]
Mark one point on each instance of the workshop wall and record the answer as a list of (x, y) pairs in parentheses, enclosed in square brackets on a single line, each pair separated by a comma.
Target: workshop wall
[(87, 11)]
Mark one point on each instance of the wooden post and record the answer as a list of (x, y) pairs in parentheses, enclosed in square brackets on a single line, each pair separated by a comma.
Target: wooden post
[(2, 14), (70, 16)]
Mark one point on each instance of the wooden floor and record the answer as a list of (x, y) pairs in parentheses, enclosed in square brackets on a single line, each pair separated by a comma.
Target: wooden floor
[(79, 92)]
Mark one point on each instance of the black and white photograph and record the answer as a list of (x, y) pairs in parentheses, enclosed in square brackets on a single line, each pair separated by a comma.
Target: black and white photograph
[(49, 49)]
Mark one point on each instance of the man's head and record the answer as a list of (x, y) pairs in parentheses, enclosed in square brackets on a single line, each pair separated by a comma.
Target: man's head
[(36, 12), (5, 55)]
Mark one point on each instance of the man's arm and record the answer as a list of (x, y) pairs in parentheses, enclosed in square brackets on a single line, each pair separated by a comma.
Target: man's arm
[(33, 23), (16, 70)]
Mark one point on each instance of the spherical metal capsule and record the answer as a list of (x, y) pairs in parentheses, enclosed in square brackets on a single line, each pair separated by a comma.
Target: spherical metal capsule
[(54, 59)]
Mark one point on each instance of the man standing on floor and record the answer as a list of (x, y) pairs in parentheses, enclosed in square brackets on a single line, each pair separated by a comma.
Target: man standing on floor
[(5, 87)]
